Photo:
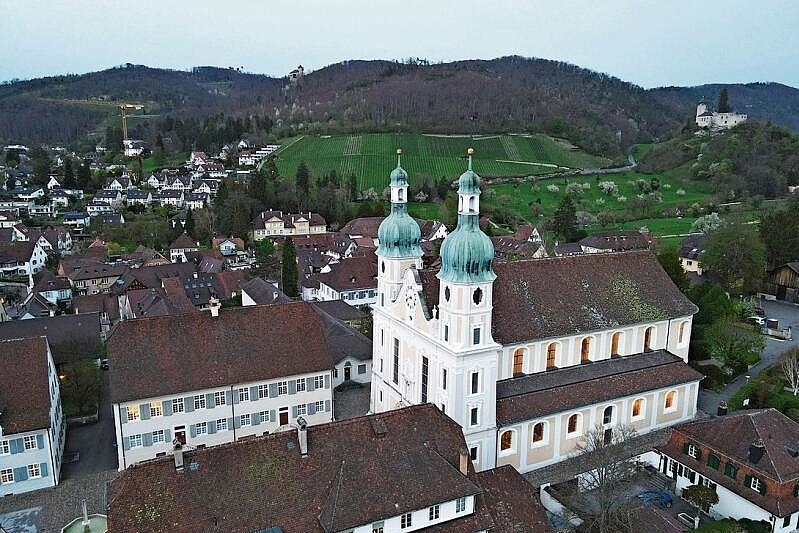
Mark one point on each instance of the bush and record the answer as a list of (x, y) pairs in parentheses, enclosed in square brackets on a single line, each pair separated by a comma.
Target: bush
[(715, 378), (609, 187), (553, 188)]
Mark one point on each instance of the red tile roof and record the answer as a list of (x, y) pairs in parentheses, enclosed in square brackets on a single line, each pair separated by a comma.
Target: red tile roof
[(512, 502), (198, 351), (351, 274), (182, 242), (24, 385)]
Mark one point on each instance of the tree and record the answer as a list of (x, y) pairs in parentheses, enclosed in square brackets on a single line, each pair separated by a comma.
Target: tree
[(735, 344), (303, 178), (735, 252), (706, 223), (564, 221), (779, 232), (69, 174), (724, 104), (84, 175), (289, 284), (41, 164), (189, 227), (701, 497), (352, 187), (669, 259), (790, 367), (608, 475), (267, 264), (80, 388)]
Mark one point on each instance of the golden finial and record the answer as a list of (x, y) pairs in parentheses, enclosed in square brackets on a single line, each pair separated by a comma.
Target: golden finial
[(399, 151), (399, 156), (470, 153)]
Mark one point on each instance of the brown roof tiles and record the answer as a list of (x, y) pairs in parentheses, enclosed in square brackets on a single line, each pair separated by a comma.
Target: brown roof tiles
[(24, 385)]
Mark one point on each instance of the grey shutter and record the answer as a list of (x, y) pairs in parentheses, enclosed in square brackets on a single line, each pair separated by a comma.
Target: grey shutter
[(40, 441), (166, 407), (147, 439), (273, 390), (43, 469), (253, 393), (125, 443), (193, 430), (188, 404), (272, 416), (311, 408), (21, 473), (309, 384), (255, 419), (144, 411), (327, 406), (123, 414), (17, 446), (293, 411), (229, 397), (168, 436), (236, 423), (230, 422), (212, 426), (209, 400), (235, 395), (327, 381), (292, 386)]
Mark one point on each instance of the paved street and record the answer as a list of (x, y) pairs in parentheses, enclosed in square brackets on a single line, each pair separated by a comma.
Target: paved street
[(788, 315)]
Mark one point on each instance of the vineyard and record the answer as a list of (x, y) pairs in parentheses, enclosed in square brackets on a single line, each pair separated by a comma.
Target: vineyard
[(370, 157)]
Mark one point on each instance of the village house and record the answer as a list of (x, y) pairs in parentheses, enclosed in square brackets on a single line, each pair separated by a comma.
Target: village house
[(56, 290), (208, 186), (96, 208), (749, 458), (615, 241), (139, 197), (211, 378), (352, 280), (783, 282), (21, 258), (527, 356), (31, 421), (350, 351), (77, 220), (112, 197), (59, 198), (179, 247), (197, 200), (89, 276), (171, 197), (331, 478), (70, 337), (121, 184), (278, 224)]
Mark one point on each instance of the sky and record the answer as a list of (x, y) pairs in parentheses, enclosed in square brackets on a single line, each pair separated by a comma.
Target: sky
[(646, 42)]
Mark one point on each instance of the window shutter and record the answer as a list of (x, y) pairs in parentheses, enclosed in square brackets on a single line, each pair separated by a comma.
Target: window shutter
[(309, 384), (193, 431), (293, 411), (147, 439), (166, 407), (748, 481), (125, 443), (123, 414), (272, 390), (212, 426), (21, 473), (188, 404), (40, 442), (698, 454), (762, 487), (685, 448), (311, 408), (168, 436), (229, 397), (327, 406), (292, 386), (209, 400), (230, 422), (327, 381), (43, 469), (16, 446), (255, 419), (253, 393), (144, 411), (236, 423), (272, 416)]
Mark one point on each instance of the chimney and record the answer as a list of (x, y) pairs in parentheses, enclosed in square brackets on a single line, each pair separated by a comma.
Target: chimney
[(177, 453), (214, 306), (302, 436), (756, 451), (722, 410), (463, 465)]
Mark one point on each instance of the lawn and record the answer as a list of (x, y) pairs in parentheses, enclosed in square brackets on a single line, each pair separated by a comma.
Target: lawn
[(371, 157)]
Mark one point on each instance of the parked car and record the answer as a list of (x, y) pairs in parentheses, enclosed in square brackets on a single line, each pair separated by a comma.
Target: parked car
[(658, 498), (759, 320)]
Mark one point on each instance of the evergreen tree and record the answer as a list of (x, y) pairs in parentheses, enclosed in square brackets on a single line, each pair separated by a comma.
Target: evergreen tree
[(303, 178), (189, 228), (84, 175), (290, 268), (564, 221), (352, 187), (724, 104), (69, 174), (669, 259)]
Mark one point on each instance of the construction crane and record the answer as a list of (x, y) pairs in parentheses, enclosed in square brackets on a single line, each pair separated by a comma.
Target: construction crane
[(124, 108)]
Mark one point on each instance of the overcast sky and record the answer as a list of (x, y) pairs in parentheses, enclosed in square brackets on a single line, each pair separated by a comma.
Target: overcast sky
[(647, 42)]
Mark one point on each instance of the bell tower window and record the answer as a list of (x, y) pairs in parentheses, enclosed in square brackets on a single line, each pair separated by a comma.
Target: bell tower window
[(477, 297)]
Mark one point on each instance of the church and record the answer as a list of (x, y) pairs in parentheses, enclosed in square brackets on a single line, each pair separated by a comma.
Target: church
[(527, 356)]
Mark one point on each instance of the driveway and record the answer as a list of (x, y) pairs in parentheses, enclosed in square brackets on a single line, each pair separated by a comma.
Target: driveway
[(788, 316)]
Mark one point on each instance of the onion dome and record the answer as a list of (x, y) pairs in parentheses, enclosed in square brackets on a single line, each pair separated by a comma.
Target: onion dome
[(399, 234)]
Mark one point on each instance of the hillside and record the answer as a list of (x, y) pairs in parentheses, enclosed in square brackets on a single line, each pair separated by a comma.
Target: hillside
[(207, 106)]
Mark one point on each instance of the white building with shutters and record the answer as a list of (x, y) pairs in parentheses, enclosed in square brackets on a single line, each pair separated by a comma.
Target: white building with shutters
[(204, 379), (31, 422)]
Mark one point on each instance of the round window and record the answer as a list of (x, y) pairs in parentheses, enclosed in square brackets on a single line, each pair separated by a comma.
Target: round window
[(446, 293)]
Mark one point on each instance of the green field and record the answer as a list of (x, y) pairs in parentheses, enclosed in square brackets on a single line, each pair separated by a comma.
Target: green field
[(372, 156)]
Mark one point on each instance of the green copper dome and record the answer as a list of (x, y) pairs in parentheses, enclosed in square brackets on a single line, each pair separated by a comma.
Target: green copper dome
[(469, 182), (467, 253), (399, 178), (399, 235)]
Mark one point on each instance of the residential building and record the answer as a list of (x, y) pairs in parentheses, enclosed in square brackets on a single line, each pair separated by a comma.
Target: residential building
[(122, 184), (783, 282), (352, 280), (278, 224), (59, 198), (401, 471), (139, 197), (210, 378), (77, 220), (748, 457), (95, 208), (21, 258), (56, 239), (31, 422), (527, 356), (256, 291), (690, 250), (69, 337), (91, 276), (181, 245), (228, 245), (173, 197), (350, 351), (615, 241), (197, 200), (54, 289)]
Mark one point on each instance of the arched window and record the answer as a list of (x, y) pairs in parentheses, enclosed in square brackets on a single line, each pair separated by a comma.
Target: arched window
[(506, 440), (607, 415), (538, 432), (681, 334), (638, 408), (552, 351), (585, 350), (615, 342), (472, 204), (650, 331), (671, 400), (518, 361), (573, 423), (401, 194)]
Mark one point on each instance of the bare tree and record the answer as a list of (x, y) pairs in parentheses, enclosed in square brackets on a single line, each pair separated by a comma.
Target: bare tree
[(605, 484), (790, 367)]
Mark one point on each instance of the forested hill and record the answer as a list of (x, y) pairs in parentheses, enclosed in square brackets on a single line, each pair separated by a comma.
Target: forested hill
[(508, 94)]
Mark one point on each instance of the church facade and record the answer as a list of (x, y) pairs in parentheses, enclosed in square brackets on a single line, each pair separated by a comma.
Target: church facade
[(527, 356)]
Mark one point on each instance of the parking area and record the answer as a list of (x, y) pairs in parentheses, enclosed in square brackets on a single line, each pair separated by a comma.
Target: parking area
[(351, 401)]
